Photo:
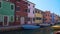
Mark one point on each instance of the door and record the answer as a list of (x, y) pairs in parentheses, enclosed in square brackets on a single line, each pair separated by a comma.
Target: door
[(5, 23), (22, 20)]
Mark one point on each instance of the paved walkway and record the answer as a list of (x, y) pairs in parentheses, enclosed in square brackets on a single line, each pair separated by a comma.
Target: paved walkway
[(8, 27)]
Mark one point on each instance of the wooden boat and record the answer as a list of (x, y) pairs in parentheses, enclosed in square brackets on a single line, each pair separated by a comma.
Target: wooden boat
[(56, 27), (30, 26)]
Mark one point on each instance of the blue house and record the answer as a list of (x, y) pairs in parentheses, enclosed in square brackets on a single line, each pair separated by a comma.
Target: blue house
[(52, 18)]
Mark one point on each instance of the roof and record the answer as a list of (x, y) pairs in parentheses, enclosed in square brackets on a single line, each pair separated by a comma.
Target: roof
[(30, 2), (38, 9)]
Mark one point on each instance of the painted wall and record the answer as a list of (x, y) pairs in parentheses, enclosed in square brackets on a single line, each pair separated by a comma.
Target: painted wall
[(47, 17), (38, 16), (52, 15), (6, 10), (21, 12), (31, 7)]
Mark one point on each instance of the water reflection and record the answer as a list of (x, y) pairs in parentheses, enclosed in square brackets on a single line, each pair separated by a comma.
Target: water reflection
[(46, 30)]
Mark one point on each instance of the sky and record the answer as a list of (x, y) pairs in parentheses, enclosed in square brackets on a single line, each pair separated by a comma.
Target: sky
[(50, 5)]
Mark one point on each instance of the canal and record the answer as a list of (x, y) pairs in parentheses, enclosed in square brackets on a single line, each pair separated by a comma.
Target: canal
[(46, 30)]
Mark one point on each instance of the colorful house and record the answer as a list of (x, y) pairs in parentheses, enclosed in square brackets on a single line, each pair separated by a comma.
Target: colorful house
[(31, 11), (38, 16), (21, 7), (6, 13), (56, 18), (47, 17), (53, 18)]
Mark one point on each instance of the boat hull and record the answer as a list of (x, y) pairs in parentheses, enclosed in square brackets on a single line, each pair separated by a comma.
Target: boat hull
[(30, 26)]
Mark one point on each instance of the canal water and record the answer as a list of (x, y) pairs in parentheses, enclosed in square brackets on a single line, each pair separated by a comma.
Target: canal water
[(46, 30)]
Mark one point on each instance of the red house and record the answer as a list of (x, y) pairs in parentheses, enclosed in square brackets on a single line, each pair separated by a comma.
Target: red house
[(47, 17), (21, 7)]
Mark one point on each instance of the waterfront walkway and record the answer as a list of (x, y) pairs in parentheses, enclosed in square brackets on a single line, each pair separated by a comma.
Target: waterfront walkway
[(10, 27)]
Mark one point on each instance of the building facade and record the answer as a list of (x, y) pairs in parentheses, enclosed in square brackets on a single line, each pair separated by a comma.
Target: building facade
[(21, 7), (38, 16), (53, 18), (47, 17), (56, 18), (31, 11), (6, 13)]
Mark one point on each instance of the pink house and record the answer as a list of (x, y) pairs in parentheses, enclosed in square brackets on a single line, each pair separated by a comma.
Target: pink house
[(31, 11)]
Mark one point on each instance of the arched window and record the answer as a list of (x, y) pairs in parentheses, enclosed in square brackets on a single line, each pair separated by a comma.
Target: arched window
[(0, 4)]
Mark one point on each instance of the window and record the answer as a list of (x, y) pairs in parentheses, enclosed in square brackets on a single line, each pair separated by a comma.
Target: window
[(33, 12), (1, 19), (0, 4), (45, 14), (45, 19), (12, 7), (38, 12), (25, 10), (33, 19), (33, 6), (17, 8), (29, 10), (12, 19), (18, 0), (50, 15), (28, 19), (29, 4), (38, 18)]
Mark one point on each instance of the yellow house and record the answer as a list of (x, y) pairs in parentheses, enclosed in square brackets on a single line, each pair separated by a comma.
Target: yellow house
[(38, 16)]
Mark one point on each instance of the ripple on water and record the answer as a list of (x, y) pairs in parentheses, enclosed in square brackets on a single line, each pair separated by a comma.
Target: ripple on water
[(46, 30)]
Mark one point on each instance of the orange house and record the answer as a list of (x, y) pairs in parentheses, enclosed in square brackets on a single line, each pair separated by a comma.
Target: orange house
[(47, 17)]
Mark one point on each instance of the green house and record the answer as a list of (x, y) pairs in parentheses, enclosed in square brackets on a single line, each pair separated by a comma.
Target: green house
[(6, 12)]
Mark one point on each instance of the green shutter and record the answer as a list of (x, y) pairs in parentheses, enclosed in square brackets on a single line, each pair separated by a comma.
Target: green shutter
[(0, 4), (11, 18), (1, 18)]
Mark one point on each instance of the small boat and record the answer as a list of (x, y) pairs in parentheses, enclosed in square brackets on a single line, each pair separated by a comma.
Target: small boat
[(30, 26), (44, 25), (56, 27)]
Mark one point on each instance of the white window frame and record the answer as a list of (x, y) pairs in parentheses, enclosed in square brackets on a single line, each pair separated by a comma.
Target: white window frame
[(7, 21), (1, 4), (10, 19), (1, 18), (13, 6), (18, 11)]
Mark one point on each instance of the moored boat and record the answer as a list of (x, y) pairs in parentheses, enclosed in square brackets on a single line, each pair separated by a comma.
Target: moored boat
[(30, 26), (56, 27)]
